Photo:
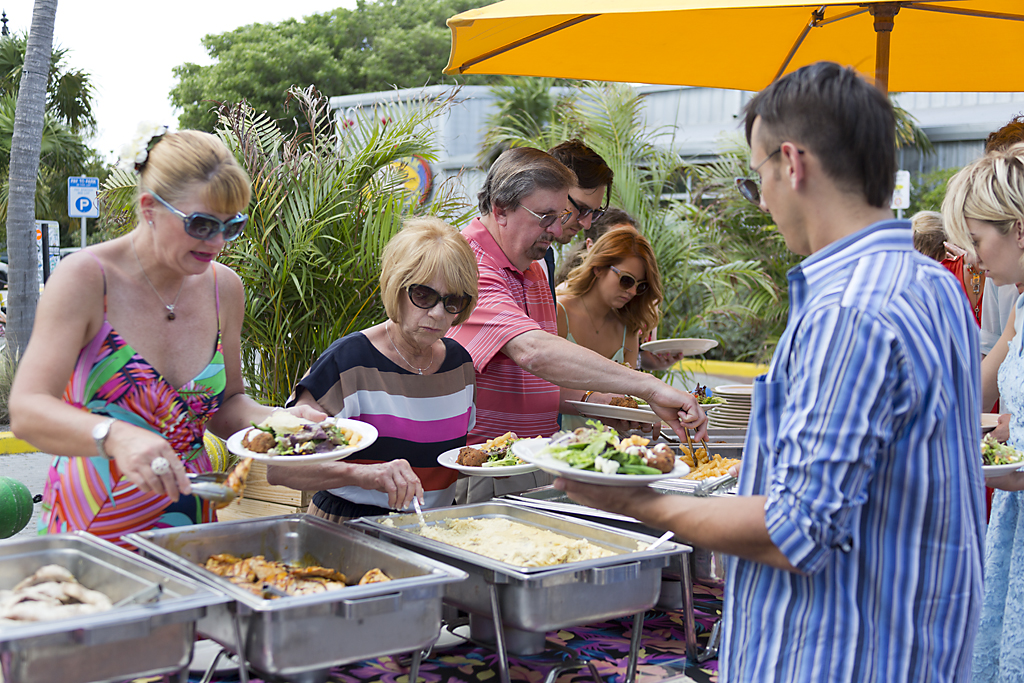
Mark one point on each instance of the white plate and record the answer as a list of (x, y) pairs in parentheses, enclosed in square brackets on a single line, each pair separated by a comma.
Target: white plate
[(741, 391), (685, 346), (599, 410), (989, 421), (530, 450), (448, 459), (999, 470), (367, 431)]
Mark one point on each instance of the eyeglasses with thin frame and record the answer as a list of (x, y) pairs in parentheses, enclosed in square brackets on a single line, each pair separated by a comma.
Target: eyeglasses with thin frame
[(626, 281), (748, 186), (547, 219), (426, 298), (585, 211), (203, 226)]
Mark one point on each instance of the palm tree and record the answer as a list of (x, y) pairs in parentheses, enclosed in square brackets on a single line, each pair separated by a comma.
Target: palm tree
[(25, 147)]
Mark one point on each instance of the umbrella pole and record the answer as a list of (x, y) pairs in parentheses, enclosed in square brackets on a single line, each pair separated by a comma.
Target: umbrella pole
[(884, 14)]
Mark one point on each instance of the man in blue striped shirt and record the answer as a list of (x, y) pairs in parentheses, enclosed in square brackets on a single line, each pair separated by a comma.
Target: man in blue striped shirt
[(858, 530)]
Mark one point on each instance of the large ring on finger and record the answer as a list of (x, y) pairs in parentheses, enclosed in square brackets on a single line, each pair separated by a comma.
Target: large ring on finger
[(160, 466)]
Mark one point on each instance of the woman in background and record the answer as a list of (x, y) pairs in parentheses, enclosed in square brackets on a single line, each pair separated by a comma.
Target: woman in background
[(611, 299)]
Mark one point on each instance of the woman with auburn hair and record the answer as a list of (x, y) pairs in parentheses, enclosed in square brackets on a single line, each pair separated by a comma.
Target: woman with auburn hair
[(136, 350), (611, 299), (403, 376), (984, 210)]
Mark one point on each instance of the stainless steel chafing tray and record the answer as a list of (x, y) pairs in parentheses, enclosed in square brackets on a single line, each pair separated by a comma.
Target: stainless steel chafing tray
[(539, 599), (301, 637), (149, 639)]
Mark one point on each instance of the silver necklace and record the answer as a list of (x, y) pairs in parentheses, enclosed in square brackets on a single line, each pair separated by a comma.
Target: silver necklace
[(395, 347), (170, 306), (597, 330)]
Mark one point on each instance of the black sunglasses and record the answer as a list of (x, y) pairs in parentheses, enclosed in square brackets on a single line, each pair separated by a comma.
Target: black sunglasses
[(585, 211), (424, 297), (204, 227), (547, 219), (748, 186), (626, 281)]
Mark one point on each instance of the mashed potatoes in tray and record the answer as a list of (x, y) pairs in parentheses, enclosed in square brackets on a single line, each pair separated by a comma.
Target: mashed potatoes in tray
[(513, 542)]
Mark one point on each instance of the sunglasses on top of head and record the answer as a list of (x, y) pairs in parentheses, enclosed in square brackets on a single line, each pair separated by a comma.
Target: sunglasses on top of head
[(547, 219), (626, 281), (203, 226), (426, 298), (585, 211)]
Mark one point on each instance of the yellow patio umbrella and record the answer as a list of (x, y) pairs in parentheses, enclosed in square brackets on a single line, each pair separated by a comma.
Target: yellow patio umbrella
[(911, 45)]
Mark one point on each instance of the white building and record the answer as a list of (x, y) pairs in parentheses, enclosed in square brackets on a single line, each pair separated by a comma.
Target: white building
[(695, 119)]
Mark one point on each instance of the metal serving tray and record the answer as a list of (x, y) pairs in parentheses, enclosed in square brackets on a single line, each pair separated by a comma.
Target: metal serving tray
[(540, 599), (136, 640), (301, 637)]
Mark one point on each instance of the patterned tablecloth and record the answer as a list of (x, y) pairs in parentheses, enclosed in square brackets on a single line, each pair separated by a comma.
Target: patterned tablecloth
[(606, 644)]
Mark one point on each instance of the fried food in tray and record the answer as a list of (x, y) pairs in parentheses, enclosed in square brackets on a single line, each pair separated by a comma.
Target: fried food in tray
[(269, 578), (51, 593), (706, 467), (493, 453)]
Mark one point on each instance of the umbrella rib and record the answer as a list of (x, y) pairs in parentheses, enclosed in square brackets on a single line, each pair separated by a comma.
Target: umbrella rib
[(967, 12), (817, 19), (528, 39)]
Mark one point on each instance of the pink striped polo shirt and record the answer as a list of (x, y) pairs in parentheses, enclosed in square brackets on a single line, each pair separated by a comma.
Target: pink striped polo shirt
[(511, 302)]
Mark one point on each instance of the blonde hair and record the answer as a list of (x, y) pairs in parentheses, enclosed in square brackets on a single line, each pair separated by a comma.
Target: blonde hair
[(990, 189), (423, 249), (192, 160), (929, 234), (613, 247)]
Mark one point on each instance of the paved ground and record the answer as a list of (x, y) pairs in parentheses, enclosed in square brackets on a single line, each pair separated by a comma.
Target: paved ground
[(30, 470)]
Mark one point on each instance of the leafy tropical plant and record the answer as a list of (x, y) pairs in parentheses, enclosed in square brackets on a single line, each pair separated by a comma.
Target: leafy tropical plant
[(702, 280), (325, 202)]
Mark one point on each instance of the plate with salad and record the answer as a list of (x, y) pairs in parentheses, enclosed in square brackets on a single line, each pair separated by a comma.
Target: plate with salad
[(284, 439), (998, 459), (494, 458), (596, 455), (634, 410)]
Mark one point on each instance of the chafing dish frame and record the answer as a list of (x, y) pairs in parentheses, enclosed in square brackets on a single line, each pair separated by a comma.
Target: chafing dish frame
[(133, 641), (505, 593), (292, 637)]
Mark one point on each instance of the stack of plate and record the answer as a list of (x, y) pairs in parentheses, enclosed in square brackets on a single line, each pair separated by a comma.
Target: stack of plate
[(735, 412)]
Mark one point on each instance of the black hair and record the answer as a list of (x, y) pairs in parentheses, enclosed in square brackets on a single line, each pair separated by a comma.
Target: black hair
[(590, 168), (847, 123)]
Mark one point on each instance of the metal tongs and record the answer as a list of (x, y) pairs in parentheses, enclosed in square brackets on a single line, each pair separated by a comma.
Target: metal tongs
[(210, 486)]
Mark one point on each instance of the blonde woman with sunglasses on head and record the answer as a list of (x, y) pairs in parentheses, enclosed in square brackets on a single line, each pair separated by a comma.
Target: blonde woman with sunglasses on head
[(611, 299), (136, 350)]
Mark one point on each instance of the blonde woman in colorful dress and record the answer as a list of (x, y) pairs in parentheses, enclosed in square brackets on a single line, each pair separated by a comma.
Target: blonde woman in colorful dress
[(136, 350)]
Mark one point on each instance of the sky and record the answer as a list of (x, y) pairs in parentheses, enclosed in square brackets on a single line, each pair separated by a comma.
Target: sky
[(130, 46)]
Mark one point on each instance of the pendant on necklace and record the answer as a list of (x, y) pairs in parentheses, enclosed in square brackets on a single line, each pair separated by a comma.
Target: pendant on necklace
[(170, 312)]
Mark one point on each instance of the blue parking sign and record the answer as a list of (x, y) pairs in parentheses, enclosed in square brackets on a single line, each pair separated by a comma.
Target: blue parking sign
[(82, 191)]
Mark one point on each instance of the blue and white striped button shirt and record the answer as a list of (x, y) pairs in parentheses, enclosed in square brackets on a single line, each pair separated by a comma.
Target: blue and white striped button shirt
[(864, 438)]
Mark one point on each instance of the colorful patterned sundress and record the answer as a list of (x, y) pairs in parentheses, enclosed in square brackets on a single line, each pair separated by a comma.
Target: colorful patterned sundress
[(112, 379)]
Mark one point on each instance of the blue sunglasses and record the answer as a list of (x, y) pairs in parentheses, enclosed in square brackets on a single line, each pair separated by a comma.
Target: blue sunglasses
[(203, 226)]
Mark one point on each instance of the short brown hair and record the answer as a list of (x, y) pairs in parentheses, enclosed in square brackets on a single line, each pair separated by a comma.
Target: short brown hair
[(191, 159), (517, 174), (424, 248), (1007, 136)]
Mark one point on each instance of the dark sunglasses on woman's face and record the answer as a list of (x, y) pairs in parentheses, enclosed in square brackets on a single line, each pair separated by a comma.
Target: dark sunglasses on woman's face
[(626, 281), (204, 227), (424, 297)]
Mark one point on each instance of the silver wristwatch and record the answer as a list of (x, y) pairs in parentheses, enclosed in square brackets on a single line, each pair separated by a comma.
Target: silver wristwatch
[(99, 435)]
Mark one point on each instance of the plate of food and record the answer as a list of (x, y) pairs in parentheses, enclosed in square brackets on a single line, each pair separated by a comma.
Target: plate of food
[(284, 439), (686, 346), (998, 459), (490, 459), (596, 455), (631, 408)]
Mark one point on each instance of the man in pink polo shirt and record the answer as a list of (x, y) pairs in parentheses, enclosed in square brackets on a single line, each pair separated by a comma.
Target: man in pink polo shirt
[(525, 371)]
